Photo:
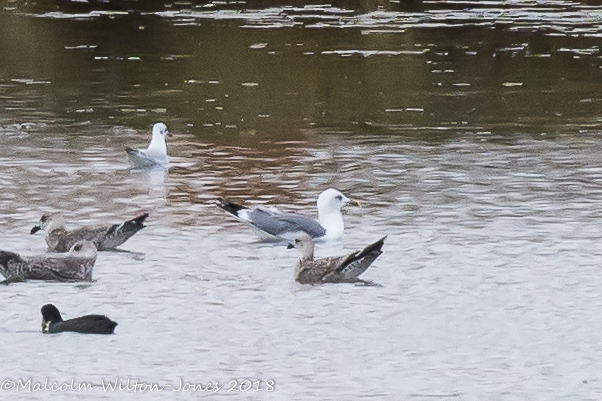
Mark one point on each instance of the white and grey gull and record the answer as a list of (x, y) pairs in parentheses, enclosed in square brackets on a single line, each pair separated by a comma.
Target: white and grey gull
[(76, 265), (337, 269), (155, 154), (270, 223), (104, 237)]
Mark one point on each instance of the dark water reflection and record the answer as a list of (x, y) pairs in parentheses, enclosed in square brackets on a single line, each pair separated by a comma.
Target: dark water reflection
[(529, 69), (470, 135)]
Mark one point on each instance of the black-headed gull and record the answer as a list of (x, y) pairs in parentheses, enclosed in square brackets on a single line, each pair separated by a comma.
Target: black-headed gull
[(156, 153)]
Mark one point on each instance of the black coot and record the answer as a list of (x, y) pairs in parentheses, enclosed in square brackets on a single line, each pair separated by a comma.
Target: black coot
[(52, 322)]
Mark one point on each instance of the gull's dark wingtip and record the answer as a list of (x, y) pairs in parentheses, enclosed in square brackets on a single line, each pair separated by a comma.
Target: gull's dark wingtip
[(381, 241), (230, 207), (140, 219)]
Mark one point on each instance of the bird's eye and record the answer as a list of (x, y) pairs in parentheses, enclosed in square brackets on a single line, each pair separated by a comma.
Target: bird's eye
[(339, 197), (77, 248), (297, 240)]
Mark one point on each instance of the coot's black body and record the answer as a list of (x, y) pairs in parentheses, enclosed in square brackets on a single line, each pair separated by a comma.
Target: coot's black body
[(91, 324)]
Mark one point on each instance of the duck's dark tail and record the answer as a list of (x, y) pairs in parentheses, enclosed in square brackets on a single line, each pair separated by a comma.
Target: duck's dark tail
[(130, 151), (230, 207)]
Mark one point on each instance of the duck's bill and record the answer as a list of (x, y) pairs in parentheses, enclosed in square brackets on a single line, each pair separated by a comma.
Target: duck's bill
[(44, 326), (35, 229)]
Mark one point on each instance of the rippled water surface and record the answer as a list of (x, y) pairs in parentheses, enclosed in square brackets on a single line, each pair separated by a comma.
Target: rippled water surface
[(470, 135)]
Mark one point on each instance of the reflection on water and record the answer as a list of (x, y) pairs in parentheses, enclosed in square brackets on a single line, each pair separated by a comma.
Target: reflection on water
[(496, 69), (153, 180), (470, 136)]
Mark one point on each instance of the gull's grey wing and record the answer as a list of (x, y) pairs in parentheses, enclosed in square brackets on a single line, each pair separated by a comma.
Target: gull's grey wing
[(278, 224), (143, 158)]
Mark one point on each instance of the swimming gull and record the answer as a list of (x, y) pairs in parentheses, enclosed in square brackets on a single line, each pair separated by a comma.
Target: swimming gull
[(155, 154), (269, 223), (338, 269), (104, 237), (52, 322), (76, 265)]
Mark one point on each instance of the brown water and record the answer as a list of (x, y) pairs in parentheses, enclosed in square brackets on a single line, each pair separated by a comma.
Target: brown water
[(471, 137)]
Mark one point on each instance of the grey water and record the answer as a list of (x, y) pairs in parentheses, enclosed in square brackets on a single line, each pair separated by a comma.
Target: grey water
[(470, 133)]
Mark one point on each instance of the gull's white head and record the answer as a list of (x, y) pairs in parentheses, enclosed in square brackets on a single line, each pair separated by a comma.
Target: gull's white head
[(160, 130), (329, 205), (333, 200)]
